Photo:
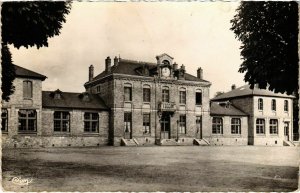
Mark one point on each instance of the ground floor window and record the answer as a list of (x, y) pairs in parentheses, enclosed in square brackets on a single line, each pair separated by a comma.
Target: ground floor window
[(273, 126), (217, 125), (91, 122), (61, 121), (146, 122), (260, 126), (182, 124), (235, 126), (27, 120), (127, 122), (4, 123)]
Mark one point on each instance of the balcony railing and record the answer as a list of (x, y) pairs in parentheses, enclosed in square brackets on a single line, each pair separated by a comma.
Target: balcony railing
[(167, 107)]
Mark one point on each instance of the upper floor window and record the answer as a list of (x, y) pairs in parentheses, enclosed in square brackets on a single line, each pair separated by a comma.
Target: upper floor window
[(27, 89), (182, 96), (61, 121), (146, 122), (165, 94), (91, 122), (146, 93), (260, 104), (273, 105), (235, 126), (286, 106), (273, 126), (260, 126), (27, 120), (217, 125), (182, 124), (127, 92), (4, 116), (198, 97), (98, 89)]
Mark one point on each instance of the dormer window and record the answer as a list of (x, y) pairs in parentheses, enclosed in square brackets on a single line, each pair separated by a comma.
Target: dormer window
[(86, 97), (57, 94), (166, 62)]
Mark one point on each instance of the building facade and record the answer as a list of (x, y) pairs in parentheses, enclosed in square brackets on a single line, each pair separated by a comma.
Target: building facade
[(152, 103), (270, 115)]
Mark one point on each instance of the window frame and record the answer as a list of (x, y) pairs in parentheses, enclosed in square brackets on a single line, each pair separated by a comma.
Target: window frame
[(217, 127), (61, 121), (286, 106), (27, 89), (273, 126), (146, 94), (147, 123), (90, 122), (273, 105), (236, 126), (4, 123), (182, 96), (260, 105), (182, 124), (27, 120), (198, 97), (260, 128), (165, 94)]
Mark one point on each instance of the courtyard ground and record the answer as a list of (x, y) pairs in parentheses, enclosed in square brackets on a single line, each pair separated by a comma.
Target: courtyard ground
[(190, 168)]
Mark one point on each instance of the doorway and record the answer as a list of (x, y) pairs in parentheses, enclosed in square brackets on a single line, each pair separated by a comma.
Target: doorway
[(286, 131), (199, 127), (165, 126)]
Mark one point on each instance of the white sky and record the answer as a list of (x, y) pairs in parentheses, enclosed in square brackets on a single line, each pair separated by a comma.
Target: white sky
[(195, 34)]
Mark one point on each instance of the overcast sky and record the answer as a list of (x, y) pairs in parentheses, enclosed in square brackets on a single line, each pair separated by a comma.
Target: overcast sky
[(195, 34)]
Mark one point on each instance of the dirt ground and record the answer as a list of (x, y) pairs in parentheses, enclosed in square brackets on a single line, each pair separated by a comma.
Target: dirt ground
[(191, 168)]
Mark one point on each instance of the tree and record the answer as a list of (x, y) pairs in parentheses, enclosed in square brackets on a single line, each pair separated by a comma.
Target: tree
[(269, 35), (28, 24), (218, 93)]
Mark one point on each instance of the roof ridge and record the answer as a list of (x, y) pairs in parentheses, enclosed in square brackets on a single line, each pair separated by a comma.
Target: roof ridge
[(136, 61)]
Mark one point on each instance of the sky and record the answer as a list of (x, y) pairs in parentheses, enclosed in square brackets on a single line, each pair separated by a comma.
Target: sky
[(196, 34)]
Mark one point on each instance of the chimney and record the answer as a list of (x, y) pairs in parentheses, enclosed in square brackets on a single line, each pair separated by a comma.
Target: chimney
[(91, 72), (107, 64), (175, 66), (233, 87), (182, 67), (200, 73), (116, 61)]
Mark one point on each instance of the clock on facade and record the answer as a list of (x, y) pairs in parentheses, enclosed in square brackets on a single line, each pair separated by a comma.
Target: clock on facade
[(165, 72)]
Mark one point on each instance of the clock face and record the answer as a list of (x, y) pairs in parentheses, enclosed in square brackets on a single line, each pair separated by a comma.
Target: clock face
[(165, 72)]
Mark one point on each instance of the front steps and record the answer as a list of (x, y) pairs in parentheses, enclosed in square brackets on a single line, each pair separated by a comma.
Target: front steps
[(129, 142), (201, 142), (288, 143)]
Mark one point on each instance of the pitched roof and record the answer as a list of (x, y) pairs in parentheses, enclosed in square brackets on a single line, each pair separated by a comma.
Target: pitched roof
[(217, 108), (130, 67), (246, 91), (72, 100), (25, 73)]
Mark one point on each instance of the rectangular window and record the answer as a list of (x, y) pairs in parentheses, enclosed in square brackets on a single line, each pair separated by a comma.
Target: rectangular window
[(182, 97), (61, 121), (217, 125), (27, 120), (198, 98), (146, 94), (260, 126), (27, 89), (146, 123), (273, 126), (182, 124), (286, 106), (91, 122), (165, 95), (127, 122), (4, 116), (260, 104), (127, 94), (98, 89), (235, 126), (273, 105)]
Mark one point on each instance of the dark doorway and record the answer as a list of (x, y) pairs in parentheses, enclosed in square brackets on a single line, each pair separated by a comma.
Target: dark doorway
[(199, 126), (286, 131)]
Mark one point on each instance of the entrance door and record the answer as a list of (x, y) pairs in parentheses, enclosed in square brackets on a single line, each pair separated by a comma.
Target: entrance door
[(286, 131), (127, 125), (199, 127), (165, 126)]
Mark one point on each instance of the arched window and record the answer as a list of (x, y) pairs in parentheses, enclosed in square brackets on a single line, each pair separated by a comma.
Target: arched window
[(146, 93), (217, 125), (127, 92), (165, 94), (260, 104), (286, 106), (235, 126), (27, 89), (182, 95), (273, 105)]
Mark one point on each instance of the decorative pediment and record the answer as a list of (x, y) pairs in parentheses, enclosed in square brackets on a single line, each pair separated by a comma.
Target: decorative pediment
[(164, 59)]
